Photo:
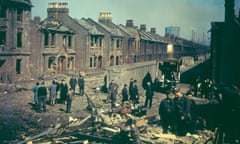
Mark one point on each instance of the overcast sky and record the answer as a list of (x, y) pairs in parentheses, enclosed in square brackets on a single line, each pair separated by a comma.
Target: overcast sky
[(187, 14)]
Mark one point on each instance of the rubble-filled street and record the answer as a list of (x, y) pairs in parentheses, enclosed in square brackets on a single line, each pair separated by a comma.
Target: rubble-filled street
[(91, 121)]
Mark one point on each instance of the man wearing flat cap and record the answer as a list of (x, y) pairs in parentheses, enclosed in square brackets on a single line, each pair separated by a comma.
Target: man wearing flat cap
[(182, 109)]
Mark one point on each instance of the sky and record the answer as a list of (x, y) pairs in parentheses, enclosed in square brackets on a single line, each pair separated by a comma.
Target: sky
[(189, 15)]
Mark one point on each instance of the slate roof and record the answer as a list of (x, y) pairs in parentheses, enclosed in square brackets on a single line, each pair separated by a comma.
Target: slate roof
[(113, 29), (91, 28), (131, 31), (51, 23), (146, 36), (159, 38)]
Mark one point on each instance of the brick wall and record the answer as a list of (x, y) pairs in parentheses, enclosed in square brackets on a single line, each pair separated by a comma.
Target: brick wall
[(123, 73)]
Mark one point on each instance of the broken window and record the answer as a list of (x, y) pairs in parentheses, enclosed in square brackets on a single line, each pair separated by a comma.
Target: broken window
[(95, 61), (69, 41), (100, 42), (70, 63), (90, 62), (3, 12), (18, 66), (111, 60), (135, 59), (112, 43), (118, 43), (19, 14), (117, 60), (46, 37), (64, 40), (93, 41), (2, 62), (53, 39), (19, 39), (2, 37), (51, 63)]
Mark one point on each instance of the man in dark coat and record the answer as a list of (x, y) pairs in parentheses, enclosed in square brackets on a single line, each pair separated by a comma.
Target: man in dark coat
[(124, 93), (63, 91), (130, 87), (42, 97), (182, 109), (134, 95), (149, 95), (81, 84), (146, 79), (73, 83), (167, 114), (113, 91), (69, 100)]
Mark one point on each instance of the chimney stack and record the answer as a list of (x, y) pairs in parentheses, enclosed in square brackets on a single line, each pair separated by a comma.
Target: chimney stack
[(153, 30), (105, 17), (129, 23), (57, 9), (37, 19), (143, 27)]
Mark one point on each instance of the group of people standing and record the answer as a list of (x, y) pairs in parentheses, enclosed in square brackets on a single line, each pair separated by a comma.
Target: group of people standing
[(175, 112), (77, 81), (66, 93), (128, 92), (131, 93)]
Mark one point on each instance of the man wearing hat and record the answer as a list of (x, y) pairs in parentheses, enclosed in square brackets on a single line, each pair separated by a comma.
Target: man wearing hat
[(149, 95), (124, 93), (182, 109), (134, 95)]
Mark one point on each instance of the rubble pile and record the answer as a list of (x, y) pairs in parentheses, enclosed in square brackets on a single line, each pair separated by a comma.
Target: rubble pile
[(122, 124), (119, 126)]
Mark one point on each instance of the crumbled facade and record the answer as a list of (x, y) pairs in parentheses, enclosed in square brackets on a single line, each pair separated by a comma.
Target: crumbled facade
[(15, 17), (60, 44)]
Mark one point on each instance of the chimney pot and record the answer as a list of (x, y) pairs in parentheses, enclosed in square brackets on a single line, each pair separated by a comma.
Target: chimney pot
[(105, 17), (153, 30), (143, 27), (129, 23), (57, 9)]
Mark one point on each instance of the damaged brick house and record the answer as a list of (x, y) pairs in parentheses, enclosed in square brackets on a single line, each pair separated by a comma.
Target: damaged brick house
[(15, 18), (68, 44), (62, 44), (58, 36)]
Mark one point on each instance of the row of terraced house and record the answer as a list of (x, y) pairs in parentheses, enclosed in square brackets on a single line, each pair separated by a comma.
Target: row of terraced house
[(61, 44)]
